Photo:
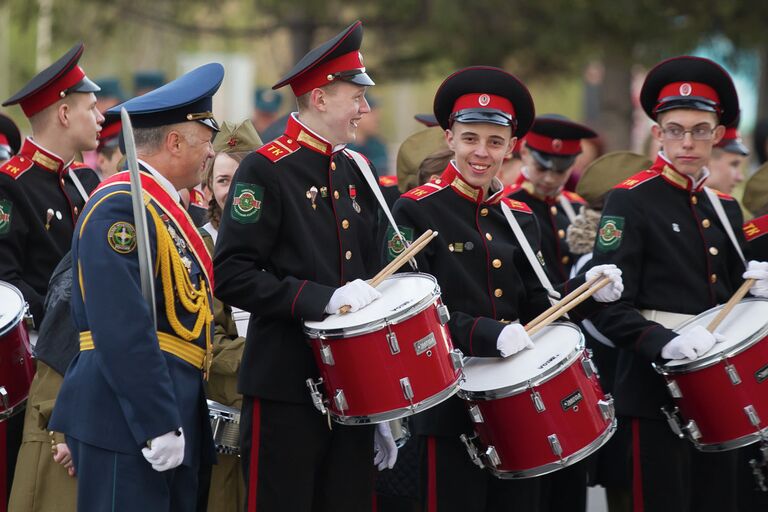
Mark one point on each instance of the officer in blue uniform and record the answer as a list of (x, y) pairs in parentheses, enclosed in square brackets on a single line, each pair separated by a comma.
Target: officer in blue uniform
[(132, 404)]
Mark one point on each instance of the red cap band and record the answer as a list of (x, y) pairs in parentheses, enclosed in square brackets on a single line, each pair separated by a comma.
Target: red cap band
[(554, 146), (730, 134), (51, 93), (482, 100), (110, 130), (696, 89), (318, 76)]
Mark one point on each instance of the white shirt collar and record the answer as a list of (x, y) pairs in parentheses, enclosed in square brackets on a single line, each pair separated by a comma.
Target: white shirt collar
[(167, 185)]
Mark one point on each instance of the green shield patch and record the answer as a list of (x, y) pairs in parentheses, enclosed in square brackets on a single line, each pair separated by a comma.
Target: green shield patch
[(5, 216), (610, 233), (247, 203), (395, 244)]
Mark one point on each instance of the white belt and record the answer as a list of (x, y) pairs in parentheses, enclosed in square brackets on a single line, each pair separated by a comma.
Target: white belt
[(666, 318)]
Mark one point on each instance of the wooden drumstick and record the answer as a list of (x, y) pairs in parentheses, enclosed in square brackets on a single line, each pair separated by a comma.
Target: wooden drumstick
[(740, 293), (572, 304), (565, 300), (393, 266)]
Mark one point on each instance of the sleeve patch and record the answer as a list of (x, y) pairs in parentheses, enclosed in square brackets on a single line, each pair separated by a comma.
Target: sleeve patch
[(395, 244), (121, 237), (247, 203), (610, 233), (5, 216)]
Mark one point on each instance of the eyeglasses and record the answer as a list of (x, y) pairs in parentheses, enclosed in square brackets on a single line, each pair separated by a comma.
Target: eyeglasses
[(703, 132)]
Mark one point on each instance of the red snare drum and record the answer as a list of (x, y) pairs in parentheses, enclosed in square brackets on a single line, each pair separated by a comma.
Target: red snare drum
[(389, 360), (539, 410), (16, 365), (722, 396)]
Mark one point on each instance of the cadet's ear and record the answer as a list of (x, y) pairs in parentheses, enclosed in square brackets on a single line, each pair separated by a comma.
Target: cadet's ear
[(719, 134), (62, 114), (173, 140), (317, 99)]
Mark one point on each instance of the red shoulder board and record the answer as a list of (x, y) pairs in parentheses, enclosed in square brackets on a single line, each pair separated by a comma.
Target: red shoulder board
[(78, 165), (419, 193), (517, 206), (16, 166), (573, 197), (723, 195), (756, 228), (511, 189), (278, 148), (388, 181), (637, 179), (196, 197)]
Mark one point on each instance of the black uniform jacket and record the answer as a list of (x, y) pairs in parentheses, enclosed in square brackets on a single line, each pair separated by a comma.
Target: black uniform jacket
[(484, 277), (39, 205), (661, 230), (554, 222), (299, 222)]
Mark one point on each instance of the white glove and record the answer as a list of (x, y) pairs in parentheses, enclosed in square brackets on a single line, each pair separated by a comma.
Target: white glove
[(612, 291), (691, 344), (356, 294), (512, 339), (165, 452), (758, 270), (384, 447)]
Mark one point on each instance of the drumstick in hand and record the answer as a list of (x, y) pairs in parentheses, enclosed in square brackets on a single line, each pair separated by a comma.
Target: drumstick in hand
[(740, 293), (557, 313), (564, 301)]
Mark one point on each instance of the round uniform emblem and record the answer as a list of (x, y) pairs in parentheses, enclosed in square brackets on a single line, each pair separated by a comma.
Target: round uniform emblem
[(246, 202), (557, 145), (685, 89), (122, 237), (484, 100)]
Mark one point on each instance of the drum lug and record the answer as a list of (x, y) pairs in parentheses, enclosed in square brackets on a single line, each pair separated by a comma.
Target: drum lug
[(693, 430), (442, 314), (589, 366), (606, 408), (475, 414), (751, 413), (29, 320), (405, 384), (457, 358), (317, 396), (4, 398), (326, 355), (554, 443), (340, 400), (394, 346), (674, 421), (492, 457), (733, 374), (537, 401), (674, 389), (474, 454)]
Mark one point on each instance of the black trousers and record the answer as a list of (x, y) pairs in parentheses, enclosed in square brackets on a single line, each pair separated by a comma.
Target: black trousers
[(293, 461)]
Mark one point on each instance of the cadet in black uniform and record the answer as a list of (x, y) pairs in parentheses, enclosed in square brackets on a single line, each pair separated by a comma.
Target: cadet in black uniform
[(485, 279), (548, 153), (297, 236), (42, 189), (661, 228)]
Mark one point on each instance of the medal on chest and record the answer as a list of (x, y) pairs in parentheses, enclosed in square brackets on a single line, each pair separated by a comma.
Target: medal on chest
[(353, 197)]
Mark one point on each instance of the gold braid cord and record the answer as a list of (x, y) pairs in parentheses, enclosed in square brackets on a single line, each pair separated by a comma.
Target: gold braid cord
[(175, 278)]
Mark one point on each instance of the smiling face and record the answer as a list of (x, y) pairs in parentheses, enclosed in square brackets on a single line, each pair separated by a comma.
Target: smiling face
[(688, 154), (480, 150), (224, 168), (341, 107)]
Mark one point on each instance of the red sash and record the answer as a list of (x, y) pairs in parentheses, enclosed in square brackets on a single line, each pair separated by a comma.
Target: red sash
[(174, 211)]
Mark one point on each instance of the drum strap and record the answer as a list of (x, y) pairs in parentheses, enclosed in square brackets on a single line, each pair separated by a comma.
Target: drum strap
[(528, 250), (718, 206), (362, 163)]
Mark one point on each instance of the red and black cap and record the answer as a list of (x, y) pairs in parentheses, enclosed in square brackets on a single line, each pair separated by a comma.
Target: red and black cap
[(109, 135), (555, 141), (10, 137), (731, 141), (53, 83), (483, 94), (692, 83), (336, 59)]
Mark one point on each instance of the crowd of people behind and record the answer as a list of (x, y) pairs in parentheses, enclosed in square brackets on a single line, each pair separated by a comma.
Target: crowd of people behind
[(152, 333)]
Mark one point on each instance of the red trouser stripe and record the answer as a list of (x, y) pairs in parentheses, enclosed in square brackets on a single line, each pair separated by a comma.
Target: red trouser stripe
[(253, 469), (637, 474), (3, 466), (431, 475)]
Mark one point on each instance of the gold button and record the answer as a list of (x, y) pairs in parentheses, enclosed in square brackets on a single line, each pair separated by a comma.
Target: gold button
[(438, 181), (345, 224), (706, 223), (561, 233), (565, 260), (336, 194), (694, 200), (713, 278), (333, 166), (348, 255), (290, 141), (21, 158), (498, 292), (489, 236), (76, 210), (553, 210), (496, 263), (713, 251), (483, 212)]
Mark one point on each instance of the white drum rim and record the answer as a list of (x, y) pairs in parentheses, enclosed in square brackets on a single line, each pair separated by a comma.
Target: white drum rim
[(731, 444), (20, 315), (543, 377), (376, 325), (715, 357)]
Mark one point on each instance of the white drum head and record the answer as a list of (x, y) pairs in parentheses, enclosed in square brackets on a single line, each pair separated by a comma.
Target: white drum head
[(11, 305), (553, 345), (746, 319), (400, 293)]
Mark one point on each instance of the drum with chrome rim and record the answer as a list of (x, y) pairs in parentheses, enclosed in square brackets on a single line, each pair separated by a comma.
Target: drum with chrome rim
[(16, 365), (225, 425)]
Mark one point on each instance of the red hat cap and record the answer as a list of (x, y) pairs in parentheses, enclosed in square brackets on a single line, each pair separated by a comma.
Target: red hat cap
[(553, 145), (693, 89)]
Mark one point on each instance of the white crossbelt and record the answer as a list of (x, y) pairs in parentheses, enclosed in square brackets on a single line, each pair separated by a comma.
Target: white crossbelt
[(718, 206)]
